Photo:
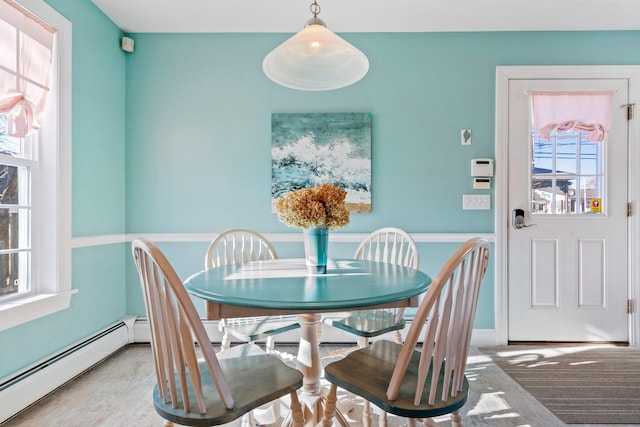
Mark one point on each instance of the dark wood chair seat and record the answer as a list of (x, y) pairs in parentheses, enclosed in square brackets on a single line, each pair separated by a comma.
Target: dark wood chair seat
[(367, 373), (368, 323), (254, 378)]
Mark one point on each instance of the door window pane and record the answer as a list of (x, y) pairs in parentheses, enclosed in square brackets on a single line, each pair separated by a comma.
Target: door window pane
[(591, 194), (590, 153), (566, 174)]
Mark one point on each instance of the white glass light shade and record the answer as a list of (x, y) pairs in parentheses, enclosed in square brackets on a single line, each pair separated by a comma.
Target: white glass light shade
[(315, 59)]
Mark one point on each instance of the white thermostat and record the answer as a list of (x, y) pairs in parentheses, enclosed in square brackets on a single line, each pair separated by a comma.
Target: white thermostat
[(482, 167)]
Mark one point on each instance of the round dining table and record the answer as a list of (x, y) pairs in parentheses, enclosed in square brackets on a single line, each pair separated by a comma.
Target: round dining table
[(284, 286)]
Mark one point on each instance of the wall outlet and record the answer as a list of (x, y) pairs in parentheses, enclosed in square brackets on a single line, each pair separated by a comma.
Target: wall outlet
[(476, 201)]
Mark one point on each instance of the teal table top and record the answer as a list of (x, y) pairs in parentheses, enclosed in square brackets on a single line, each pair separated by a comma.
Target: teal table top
[(284, 284)]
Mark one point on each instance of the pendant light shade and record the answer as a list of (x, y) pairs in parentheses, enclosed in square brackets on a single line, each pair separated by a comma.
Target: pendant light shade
[(315, 59)]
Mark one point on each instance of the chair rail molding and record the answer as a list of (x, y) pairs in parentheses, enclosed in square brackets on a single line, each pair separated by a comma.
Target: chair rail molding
[(337, 237)]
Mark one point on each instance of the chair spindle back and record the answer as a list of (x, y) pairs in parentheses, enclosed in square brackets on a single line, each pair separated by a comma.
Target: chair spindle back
[(393, 246), (445, 317), (238, 245), (174, 324), (390, 245)]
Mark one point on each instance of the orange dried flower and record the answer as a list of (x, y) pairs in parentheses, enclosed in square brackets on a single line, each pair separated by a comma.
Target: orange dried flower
[(314, 207)]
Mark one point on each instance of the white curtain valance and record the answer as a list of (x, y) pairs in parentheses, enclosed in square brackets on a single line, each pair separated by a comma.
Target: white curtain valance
[(582, 111), (26, 54)]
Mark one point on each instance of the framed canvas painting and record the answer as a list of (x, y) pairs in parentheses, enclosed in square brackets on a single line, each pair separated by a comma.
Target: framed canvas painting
[(310, 149)]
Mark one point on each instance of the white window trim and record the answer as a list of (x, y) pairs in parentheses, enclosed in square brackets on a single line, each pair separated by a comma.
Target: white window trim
[(52, 249)]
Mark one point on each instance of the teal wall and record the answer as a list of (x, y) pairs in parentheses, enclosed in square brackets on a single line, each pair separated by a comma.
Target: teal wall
[(199, 132), (194, 111), (199, 107), (98, 186)]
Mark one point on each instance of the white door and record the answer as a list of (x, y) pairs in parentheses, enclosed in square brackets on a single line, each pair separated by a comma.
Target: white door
[(567, 266)]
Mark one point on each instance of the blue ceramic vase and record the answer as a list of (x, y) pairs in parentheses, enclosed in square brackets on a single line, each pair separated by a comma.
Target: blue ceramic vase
[(316, 243)]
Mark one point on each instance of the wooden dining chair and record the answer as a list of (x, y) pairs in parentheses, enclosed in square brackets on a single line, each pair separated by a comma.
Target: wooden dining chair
[(235, 246), (393, 246), (214, 389), (427, 382), (389, 245)]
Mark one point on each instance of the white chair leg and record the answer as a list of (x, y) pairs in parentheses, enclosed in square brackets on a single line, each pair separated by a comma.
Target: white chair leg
[(226, 341), (271, 345), (366, 414), (456, 419), (248, 421), (330, 406), (383, 420), (363, 342), (366, 408), (398, 337), (297, 416)]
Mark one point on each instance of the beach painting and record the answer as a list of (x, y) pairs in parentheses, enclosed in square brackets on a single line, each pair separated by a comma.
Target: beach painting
[(310, 149)]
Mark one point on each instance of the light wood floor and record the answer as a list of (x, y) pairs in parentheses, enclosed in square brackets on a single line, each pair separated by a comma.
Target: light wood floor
[(117, 392)]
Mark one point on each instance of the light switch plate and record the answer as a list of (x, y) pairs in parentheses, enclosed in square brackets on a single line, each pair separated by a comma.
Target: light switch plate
[(476, 202)]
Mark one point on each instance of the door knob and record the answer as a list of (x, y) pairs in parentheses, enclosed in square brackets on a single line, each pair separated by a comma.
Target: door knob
[(517, 219)]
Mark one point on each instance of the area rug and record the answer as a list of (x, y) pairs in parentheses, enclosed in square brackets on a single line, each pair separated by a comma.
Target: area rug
[(579, 384)]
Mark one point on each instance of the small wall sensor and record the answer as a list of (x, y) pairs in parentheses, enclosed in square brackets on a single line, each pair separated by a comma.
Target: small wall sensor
[(465, 136), (127, 44)]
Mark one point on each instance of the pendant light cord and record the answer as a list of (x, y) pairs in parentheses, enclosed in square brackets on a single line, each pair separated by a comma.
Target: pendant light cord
[(315, 8)]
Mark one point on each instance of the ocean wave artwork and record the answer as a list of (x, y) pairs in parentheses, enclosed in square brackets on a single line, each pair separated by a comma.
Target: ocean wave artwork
[(310, 149)]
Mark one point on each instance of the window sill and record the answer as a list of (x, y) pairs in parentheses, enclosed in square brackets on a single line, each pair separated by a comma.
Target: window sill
[(30, 308)]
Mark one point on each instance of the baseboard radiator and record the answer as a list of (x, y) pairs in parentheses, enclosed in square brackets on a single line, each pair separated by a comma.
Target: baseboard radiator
[(36, 381)]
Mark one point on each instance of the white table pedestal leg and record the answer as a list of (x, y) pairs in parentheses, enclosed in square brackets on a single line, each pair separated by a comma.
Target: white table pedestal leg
[(309, 363), (311, 367)]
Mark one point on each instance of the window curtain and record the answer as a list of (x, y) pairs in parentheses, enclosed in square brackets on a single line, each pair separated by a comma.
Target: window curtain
[(582, 111), (26, 54)]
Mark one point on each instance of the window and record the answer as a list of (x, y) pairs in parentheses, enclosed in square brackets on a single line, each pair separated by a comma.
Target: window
[(16, 170), (35, 191), (568, 144), (567, 174)]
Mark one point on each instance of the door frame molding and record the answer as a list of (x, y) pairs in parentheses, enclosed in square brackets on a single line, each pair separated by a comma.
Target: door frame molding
[(503, 75)]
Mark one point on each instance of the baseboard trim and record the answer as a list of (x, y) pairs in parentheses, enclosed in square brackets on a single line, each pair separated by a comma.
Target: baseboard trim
[(29, 385), (330, 335)]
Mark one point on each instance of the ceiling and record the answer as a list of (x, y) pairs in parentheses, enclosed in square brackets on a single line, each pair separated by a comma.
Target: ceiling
[(289, 16)]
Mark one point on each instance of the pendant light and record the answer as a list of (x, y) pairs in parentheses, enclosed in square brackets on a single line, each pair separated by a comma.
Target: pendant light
[(315, 59)]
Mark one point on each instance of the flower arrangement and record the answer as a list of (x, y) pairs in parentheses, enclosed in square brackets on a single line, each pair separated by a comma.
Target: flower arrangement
[(314, 207)]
